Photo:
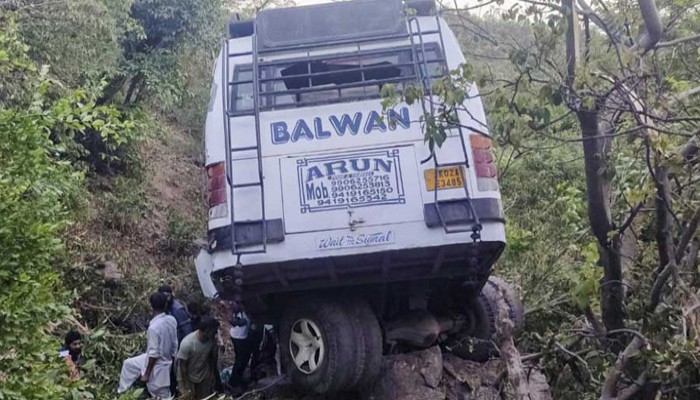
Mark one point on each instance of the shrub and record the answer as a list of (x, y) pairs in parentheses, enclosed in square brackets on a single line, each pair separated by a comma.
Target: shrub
[(36, 192), (182, 233)]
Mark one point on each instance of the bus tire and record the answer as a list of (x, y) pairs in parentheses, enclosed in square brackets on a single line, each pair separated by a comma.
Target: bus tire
[(368, 343), (478, 342), (316, 345), (516, 312)]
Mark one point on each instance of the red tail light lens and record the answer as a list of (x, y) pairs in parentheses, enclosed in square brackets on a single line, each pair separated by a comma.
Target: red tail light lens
[(484, 166), (217, 184)]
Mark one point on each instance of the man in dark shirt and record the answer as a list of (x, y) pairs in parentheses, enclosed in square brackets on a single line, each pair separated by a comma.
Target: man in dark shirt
[(197, 312), (177, 310), (184, 326)]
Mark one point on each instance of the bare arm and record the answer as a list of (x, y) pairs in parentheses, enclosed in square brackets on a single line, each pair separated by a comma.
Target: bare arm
[(149, 369), (183, 374)]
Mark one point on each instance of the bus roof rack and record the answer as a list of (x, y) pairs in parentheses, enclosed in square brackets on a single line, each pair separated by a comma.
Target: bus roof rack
[(237, 29), (422, 7), (328, 23)]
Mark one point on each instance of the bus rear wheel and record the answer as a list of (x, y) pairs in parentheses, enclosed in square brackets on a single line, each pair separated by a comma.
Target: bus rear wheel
[(369, 343), (316, 344)]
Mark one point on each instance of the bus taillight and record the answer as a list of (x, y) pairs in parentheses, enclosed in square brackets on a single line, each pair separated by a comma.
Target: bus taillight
[(216, 174), (484, 166)]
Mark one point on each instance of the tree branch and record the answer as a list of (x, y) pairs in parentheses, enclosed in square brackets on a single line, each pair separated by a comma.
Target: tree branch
[(674, 42), (588, 11), (687, 235), (551, 6), (636, 385), (659, 285), (683, 95), (652, 25), (609, 391), (690, 151), (664, 241)]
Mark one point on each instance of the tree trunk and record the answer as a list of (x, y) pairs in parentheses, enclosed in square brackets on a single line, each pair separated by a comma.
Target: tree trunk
[(663, 218), (135, 82), (111, 90), (595, 147)]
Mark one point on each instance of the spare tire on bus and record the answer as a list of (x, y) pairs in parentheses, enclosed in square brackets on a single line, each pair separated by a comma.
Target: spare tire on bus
[(477, 340), (317, 345)]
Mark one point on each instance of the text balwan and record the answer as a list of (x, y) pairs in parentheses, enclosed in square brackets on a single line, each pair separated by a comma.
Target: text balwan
[(319, 128)]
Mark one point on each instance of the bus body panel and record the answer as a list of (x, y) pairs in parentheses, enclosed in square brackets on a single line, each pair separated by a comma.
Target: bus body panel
[(346, 179)]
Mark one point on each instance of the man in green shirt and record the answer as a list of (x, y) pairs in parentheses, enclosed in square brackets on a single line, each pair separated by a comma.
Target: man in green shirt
[(197, 361)]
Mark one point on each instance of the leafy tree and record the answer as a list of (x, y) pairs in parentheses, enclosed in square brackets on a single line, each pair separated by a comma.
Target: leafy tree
[(157, 31), (38, 191), (78, 39), (612, 81)]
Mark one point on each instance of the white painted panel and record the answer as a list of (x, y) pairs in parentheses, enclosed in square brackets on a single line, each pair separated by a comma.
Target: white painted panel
[(350, 189), (401, 236)]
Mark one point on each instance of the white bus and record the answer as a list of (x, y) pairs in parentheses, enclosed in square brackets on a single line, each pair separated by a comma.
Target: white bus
[(329, 216)]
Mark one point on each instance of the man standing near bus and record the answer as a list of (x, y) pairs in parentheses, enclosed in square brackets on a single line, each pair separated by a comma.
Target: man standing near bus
[(153, 367), (177, 310), (197, 361)]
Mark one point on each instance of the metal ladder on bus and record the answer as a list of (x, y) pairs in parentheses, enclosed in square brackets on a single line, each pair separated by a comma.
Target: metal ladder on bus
[(423, 74), (227, 91)]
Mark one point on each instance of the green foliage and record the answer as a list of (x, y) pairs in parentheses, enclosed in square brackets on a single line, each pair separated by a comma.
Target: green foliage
[(79, 39), (124, 204), (160, 32), (15, 65), (51, 136), (534, 113), (99, 136), (182, 232), (37, 190), (110, 349)]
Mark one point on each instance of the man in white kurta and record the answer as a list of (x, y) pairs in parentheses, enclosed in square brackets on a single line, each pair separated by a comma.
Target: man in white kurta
[(153, 367)]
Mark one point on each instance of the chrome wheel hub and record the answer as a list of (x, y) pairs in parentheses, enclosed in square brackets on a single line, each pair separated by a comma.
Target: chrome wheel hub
[(306, 346)]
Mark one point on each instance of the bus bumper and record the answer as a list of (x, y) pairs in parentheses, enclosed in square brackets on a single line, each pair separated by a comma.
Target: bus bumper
[(205, 266)]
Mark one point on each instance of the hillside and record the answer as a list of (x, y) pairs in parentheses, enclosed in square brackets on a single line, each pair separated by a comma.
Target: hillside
[(594, 117)]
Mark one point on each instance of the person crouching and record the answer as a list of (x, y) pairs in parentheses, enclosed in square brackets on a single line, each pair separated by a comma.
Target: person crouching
[(72, 353)]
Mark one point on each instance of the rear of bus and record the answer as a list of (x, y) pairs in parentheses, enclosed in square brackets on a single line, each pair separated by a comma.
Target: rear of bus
[(324, 187)]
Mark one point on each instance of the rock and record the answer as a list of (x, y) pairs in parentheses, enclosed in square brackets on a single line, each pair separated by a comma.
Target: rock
[(419, 376), (539, 387), (276, 387), (481, 380), (410, 376), (473, 373), (431, 369), (469, 380), (110, 271), (484, 393)]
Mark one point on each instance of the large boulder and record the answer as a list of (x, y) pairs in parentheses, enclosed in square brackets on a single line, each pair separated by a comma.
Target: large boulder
[(471, 380), (424, 375), (432, 375), (410, 376)]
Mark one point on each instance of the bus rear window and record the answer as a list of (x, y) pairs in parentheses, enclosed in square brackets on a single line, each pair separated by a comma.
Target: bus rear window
[(338, 78)]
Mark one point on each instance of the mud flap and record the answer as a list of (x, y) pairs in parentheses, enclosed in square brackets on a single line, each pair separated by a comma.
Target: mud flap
[(205, 267)]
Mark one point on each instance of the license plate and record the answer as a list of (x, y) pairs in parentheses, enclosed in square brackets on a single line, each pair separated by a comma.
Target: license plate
[(447, 178)]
